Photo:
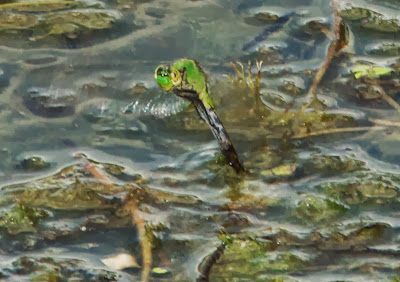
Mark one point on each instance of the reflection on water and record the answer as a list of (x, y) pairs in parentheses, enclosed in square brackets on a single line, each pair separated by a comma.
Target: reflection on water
[(320, 201)]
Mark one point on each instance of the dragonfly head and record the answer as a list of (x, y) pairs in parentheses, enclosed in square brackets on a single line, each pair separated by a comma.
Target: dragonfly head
[(167, 77)]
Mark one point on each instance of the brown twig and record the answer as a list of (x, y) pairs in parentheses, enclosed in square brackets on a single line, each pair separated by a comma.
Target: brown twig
[(131, 207), (337, 44), (378, 86), (338, 130), (384, 122), (390, 101), (249, 76), (257, 88), (92, 168), (239, 75)]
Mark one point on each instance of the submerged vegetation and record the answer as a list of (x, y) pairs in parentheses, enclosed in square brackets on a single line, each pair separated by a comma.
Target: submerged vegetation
[(105, 178)]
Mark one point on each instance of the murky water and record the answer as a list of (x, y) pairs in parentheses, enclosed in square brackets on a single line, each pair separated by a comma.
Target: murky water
[(320, 201)]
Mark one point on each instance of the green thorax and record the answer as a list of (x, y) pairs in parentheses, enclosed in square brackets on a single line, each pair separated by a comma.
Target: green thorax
[(196, 79)]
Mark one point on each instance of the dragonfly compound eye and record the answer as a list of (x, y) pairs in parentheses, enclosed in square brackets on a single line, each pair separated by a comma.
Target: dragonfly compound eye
[(161, 71), (175, 76), (163, 77)]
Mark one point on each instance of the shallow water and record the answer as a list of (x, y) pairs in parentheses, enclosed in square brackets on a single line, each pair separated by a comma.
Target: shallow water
[(79, 80)]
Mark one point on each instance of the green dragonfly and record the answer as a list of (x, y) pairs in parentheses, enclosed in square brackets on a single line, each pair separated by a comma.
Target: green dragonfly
[(187, 80)]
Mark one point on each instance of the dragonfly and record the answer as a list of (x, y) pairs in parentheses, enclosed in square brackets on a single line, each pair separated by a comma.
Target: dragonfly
[(186, 79)]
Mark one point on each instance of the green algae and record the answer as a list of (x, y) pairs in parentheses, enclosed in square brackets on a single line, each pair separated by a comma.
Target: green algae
[(370, 71), (282, 170), (317, 209), (251, 203), (357, 13), (72, 189), (9, 21), (264, 159), (91, 20), (367, 91), (68, 190), (299, 124), (61, 269), (248, 258), (52, 20), (382, 25), (365, 189), (22, 218), (385, 49), (332, 165), (266, 16), (40, 6), (367, 235), (33, 164)]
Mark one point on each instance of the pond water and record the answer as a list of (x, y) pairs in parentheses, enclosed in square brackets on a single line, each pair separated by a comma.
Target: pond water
[(84, 129)]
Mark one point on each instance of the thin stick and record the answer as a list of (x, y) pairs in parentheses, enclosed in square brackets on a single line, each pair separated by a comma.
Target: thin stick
[(384, 122), (383, 94), (338, 43), (131, 206), (257, 87), (94, 170), (237, 71), (339, 130), (390, 101)]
